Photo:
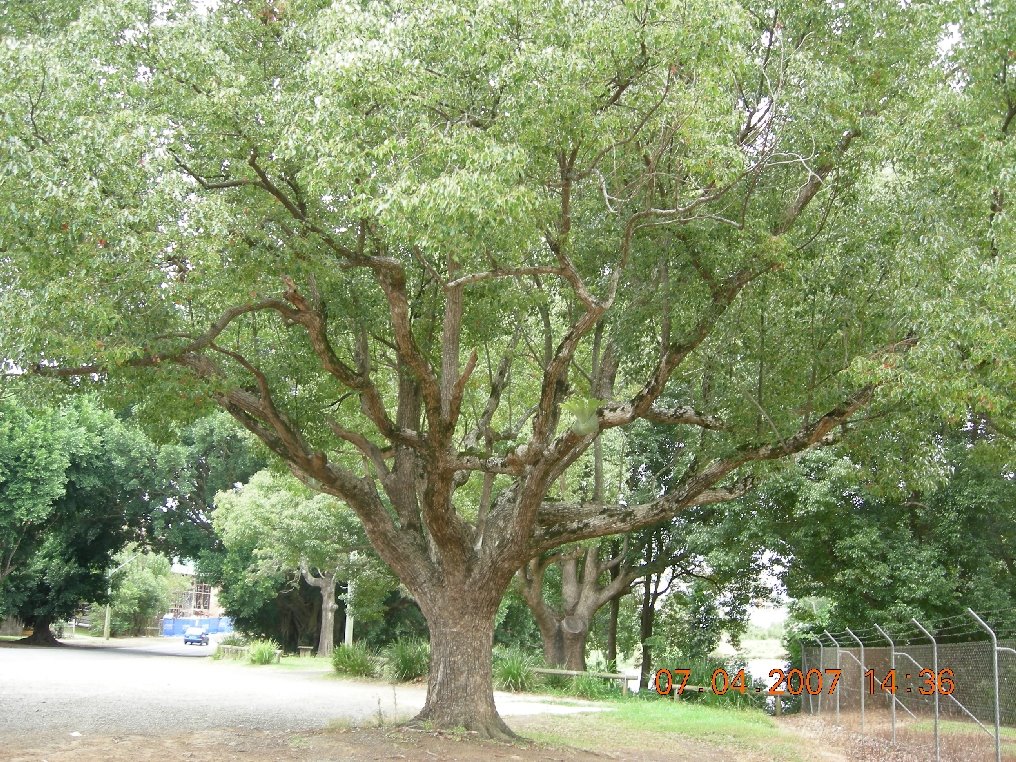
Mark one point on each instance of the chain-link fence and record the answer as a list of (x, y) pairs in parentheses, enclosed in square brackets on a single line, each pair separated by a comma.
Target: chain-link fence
[(942, 690)]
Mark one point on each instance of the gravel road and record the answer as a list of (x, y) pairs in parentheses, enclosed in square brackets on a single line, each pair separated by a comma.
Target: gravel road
[(159, 686)]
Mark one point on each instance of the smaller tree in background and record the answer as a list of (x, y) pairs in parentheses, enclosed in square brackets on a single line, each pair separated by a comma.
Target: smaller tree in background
[(108, 480), (294, 531), (143, 589)]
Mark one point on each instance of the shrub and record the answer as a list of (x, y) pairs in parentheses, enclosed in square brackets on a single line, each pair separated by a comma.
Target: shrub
[(357, 660), (407, 660), (513, 670), (589, 687), (263, 651)]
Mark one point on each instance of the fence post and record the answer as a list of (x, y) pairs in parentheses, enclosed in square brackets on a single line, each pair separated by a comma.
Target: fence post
[(892, 670), (994, 666), (858, 641), (935, 669), (837, 667), (800, 644), (821, 667)]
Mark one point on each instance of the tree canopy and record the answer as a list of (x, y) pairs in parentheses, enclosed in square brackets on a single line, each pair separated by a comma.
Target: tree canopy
[(430, 252), (90, 480)]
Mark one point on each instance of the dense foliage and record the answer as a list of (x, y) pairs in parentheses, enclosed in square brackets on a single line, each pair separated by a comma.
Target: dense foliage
[(429, 253), (143, 590), (78, 486)]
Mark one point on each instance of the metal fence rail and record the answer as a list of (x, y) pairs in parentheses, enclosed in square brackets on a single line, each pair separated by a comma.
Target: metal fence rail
[(925, 686)]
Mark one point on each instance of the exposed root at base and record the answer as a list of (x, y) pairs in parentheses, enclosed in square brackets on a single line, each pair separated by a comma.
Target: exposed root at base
[(492, 729), (39, 639)]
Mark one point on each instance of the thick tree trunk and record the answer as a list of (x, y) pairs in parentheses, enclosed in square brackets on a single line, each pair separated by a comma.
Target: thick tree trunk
[(41, 635), (575, 630), (325, 583), (564, 641), (460, 690), (326, 639), (553, 645)]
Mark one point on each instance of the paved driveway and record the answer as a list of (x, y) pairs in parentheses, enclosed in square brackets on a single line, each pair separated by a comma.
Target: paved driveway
[(161, 686)]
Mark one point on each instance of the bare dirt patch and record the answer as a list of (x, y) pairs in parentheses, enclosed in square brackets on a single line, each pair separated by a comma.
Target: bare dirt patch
[(259, 746)]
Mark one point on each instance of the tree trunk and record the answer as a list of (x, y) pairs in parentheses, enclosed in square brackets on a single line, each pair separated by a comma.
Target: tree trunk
[(553, 644), (646, 622), (41, 635), (564, 641), (615, 610), (460, 691), (326, 639), (575, 630)]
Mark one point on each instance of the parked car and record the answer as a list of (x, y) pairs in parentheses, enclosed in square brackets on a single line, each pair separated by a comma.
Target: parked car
[(195, 635)]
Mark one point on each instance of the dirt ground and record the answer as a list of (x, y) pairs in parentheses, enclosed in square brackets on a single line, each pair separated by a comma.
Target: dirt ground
[(818, 741), (321, 746), (158, 700)]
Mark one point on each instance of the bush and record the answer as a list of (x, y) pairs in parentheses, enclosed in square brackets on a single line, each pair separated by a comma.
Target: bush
[(263, 651), (589, 687), (513, 670), (357, 660), (407, 660)]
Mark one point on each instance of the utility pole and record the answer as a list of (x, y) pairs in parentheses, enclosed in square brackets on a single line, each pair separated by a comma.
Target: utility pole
[(348, 640), (349, 614)]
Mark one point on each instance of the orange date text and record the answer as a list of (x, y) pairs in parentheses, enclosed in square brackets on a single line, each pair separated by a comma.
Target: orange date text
[(794, 682)]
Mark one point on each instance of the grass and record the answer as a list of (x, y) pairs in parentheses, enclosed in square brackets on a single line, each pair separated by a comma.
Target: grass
[(954, 727), (304, 663), (513, 670), (958, 726), (640, 723)]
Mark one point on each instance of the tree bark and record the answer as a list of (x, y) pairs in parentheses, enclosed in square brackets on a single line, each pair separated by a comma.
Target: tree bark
[(326, 639), (325, 583), (575, 632), (553, 642), (614, 611), (646, 621), (460, 691), (41, 635)]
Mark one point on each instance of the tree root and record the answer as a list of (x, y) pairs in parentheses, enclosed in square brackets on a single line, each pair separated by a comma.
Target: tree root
[(488, 729), (41, 636)]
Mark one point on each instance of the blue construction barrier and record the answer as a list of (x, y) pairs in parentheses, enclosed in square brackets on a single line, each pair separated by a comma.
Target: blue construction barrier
[(173, 627)]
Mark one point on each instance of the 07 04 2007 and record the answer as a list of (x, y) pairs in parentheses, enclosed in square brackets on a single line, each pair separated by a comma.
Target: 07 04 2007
[(795, 681)]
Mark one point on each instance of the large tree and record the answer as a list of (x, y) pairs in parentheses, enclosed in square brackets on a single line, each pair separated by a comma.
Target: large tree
[(429, 253)]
